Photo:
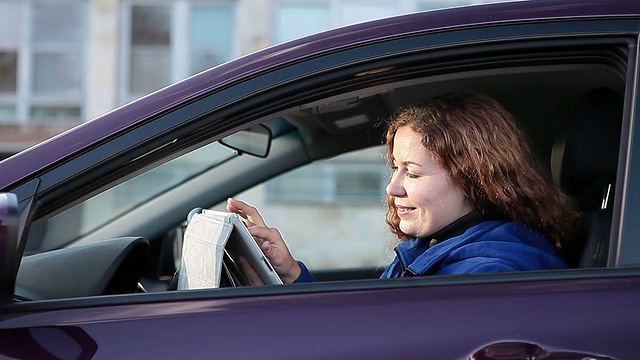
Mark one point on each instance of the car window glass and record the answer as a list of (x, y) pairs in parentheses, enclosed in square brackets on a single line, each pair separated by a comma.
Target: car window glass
[(89, 215), (331, 212)]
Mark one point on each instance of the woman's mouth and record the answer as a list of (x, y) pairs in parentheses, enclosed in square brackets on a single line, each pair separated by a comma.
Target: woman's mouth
[(403, 210)]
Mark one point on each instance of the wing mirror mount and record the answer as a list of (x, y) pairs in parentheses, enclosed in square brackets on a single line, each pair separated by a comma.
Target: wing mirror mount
[(255, 141)]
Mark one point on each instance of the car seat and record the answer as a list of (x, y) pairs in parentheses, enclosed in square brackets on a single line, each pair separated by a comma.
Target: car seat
[(589, 167)]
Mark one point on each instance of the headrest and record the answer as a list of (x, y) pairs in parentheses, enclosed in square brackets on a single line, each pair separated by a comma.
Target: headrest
[(591, 150)]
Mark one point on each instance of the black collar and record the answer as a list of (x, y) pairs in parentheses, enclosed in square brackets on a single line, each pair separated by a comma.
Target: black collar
[(457, 227)]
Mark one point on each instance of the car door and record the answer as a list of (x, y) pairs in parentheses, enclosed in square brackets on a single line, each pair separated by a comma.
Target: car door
[(577, 313)]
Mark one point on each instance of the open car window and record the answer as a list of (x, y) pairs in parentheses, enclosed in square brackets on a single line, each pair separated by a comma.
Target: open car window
[(339, 206)]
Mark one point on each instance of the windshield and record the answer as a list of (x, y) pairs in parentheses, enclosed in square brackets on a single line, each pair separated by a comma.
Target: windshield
[(82, 219)]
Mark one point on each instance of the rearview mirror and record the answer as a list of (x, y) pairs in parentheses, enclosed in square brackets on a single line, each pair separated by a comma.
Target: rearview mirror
[(255, 141)]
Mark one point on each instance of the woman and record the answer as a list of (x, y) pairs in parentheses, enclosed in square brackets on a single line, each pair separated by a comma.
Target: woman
[(466, 196)]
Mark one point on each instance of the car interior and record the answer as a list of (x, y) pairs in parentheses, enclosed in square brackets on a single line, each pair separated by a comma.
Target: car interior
[(570, 104)]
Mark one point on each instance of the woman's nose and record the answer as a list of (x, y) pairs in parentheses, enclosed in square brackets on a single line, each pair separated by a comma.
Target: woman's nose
[(394, 188)]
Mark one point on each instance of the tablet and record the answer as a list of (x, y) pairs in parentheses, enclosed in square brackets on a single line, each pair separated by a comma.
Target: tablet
[(241, 243)]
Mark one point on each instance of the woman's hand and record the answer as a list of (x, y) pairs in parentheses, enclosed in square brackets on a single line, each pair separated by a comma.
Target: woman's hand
[(269, 239)]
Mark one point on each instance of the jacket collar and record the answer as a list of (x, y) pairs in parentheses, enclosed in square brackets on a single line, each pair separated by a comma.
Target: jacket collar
[(408, 251), (458, 227)]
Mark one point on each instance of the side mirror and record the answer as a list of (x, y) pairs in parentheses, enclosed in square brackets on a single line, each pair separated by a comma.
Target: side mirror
[(255, 141), (8, 245)]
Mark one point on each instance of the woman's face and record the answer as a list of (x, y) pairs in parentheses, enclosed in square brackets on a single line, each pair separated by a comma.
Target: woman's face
[(424, 194)]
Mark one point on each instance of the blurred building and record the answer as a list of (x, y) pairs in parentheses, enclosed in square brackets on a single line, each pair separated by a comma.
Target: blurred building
[(63, 62)]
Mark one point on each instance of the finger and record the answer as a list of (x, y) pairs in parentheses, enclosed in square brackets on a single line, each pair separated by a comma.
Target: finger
[(266, 247), (260, 232), (264, 234), (246, 211), (234, 209)]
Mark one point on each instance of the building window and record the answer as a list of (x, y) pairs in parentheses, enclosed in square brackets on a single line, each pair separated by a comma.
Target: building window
[(294, 19), (355, 11), (441, 4), (166, 41), (297, 18), (150, 61), (8, 71), (42, 62), (211, 36)]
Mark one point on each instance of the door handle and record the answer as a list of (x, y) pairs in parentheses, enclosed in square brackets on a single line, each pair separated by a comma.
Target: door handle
[(519, 350)]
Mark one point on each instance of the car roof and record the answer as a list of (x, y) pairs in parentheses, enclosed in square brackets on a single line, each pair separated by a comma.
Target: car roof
[(73, 141)]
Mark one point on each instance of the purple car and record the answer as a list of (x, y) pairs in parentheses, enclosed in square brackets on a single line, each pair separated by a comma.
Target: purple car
[(92, 221)]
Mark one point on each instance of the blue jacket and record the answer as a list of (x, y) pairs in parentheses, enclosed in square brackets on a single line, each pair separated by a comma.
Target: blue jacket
[(489, 246)]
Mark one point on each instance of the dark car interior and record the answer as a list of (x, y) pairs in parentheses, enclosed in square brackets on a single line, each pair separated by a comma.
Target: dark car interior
[(569, 102)]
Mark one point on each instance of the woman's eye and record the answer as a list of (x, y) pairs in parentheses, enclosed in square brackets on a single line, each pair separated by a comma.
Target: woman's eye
[(412, 175), (394, 169)]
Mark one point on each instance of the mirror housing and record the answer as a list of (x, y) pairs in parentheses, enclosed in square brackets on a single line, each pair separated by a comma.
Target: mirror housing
[(9, 233), (255, 141)]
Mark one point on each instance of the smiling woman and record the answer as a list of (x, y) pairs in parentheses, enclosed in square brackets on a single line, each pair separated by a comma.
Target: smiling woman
[(472, 198)]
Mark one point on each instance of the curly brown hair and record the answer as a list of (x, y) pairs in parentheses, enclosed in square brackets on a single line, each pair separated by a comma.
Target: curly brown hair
[(490, 158)]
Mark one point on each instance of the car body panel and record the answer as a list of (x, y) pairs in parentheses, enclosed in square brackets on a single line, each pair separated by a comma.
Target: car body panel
[(439, 322)]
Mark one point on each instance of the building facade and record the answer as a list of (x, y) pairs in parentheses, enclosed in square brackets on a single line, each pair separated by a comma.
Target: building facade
[(63, 62)]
